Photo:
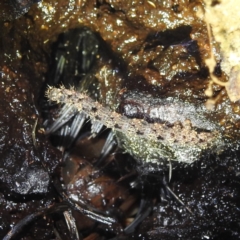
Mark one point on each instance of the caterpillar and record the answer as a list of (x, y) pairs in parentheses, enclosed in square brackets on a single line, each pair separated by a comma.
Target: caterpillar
[(149, 142)]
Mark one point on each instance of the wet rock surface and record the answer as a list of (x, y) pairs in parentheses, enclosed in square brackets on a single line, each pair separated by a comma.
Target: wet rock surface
[(14, 9), (163, 46)]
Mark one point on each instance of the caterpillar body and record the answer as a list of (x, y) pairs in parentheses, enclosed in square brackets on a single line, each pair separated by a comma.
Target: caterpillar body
[(148, 142)]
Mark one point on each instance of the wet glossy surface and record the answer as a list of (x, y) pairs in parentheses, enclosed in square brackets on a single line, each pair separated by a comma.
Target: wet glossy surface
[(163, 57)]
